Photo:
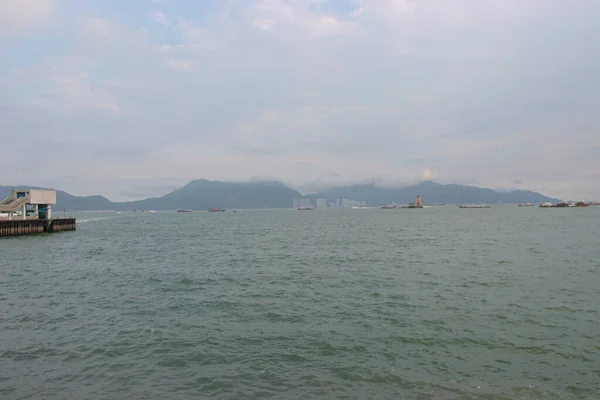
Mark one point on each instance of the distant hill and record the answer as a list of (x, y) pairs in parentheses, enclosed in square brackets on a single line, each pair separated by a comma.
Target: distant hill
[(431, 193), (66, 201), (203, 194), (199, 195)]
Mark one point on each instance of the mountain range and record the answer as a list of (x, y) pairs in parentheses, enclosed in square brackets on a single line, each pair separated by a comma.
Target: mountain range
[(202, 194), (431, 193)]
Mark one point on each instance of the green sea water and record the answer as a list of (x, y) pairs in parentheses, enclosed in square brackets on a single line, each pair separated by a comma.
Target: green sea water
[(437, 303)]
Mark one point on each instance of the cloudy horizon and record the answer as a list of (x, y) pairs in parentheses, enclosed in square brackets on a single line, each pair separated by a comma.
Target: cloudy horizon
[(135, 99)]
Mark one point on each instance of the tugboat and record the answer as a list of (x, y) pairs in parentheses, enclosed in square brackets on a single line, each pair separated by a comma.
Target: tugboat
[(417, 204), (216, 209)]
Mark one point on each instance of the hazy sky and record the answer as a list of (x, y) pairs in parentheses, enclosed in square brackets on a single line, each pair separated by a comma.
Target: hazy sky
[(134, 98)]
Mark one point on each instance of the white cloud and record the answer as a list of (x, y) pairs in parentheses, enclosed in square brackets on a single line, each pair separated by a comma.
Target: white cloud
[(76, 91), (62, 84), (16, 16), (264, 25), (391, 91), (179, 64), (100, 28), (161, 18), (294, 18)]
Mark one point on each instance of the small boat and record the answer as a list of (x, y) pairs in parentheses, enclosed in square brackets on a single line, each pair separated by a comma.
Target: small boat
[(151, 211), (216, 209), (579, 204), (184, 210), (309, 208), (526, 205)]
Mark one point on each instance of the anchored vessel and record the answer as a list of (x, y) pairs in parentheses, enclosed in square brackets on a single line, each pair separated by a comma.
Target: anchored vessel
[(416, 204), (579, 204), (557, 205), (473, 206)]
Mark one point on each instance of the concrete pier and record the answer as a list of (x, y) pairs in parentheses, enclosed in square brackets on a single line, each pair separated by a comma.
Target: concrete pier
[(29, 211), (19, 227)]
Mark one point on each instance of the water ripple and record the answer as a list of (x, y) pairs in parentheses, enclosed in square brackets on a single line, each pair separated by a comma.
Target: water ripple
[(279, 304)]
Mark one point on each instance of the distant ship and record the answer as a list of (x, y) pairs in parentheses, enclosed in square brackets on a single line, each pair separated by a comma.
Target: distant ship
[(526, 205), (392, 206), (558, 205), (579, 204), (184, 210), (473, 206), (216, 209), (417, 204), (307, 208)]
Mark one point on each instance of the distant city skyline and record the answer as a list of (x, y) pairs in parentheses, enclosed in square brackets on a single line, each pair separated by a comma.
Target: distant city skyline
[(321, 203), (134, 99)]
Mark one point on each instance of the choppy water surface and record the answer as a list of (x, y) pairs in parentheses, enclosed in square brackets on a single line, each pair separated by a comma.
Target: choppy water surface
[(438, 303)]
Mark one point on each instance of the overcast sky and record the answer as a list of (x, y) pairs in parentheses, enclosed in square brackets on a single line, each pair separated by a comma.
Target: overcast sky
[(134, 98)]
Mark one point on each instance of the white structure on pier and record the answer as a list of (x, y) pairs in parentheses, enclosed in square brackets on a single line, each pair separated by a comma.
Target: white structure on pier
[(41, 200)]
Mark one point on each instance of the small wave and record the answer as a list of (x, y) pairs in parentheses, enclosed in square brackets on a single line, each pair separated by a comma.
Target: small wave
[(80, 221)]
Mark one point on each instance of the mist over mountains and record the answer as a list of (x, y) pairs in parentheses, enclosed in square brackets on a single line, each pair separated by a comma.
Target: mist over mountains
[(202, 194)]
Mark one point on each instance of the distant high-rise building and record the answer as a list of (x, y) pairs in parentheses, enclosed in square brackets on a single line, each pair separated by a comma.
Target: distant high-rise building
[(321, 203), (347, 203), (304, 203)]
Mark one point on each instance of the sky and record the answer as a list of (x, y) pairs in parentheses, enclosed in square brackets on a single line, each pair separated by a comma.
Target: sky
[(131, 99)]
